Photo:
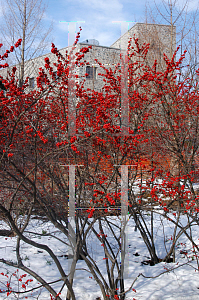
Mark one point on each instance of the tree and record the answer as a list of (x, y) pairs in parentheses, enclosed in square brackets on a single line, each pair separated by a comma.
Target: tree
[(36, 150), (183, 19), (24, 19)]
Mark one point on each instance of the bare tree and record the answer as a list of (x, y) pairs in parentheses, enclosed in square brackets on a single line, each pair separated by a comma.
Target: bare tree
[(23, 19), (179, 15)]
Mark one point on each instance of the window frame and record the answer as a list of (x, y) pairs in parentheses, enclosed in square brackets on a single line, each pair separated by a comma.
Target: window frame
[(91, 75), (32, 83)]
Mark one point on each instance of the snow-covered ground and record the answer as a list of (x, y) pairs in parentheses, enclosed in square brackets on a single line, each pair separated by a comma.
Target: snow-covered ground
[(179, 283)]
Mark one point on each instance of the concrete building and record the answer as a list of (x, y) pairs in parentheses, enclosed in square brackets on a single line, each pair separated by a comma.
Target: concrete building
[(162, 39)]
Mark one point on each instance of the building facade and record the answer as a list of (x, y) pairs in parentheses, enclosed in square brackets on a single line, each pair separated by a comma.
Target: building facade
[(162, 39)]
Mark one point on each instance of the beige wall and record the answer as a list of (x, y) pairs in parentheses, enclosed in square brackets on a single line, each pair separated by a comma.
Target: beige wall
[(159, 36)]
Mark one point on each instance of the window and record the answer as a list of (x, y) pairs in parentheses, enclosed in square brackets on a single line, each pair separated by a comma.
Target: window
[(31, 83), (2, 88), (92, 72)]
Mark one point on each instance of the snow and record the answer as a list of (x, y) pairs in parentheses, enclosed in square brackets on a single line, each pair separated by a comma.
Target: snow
[(179, 283)]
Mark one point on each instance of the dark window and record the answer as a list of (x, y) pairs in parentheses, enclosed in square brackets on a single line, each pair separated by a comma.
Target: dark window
[(31, 83), (2, 87), (92, 72)]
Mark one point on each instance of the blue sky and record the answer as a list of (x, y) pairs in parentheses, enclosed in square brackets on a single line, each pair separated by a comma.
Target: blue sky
[(98, 16)]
